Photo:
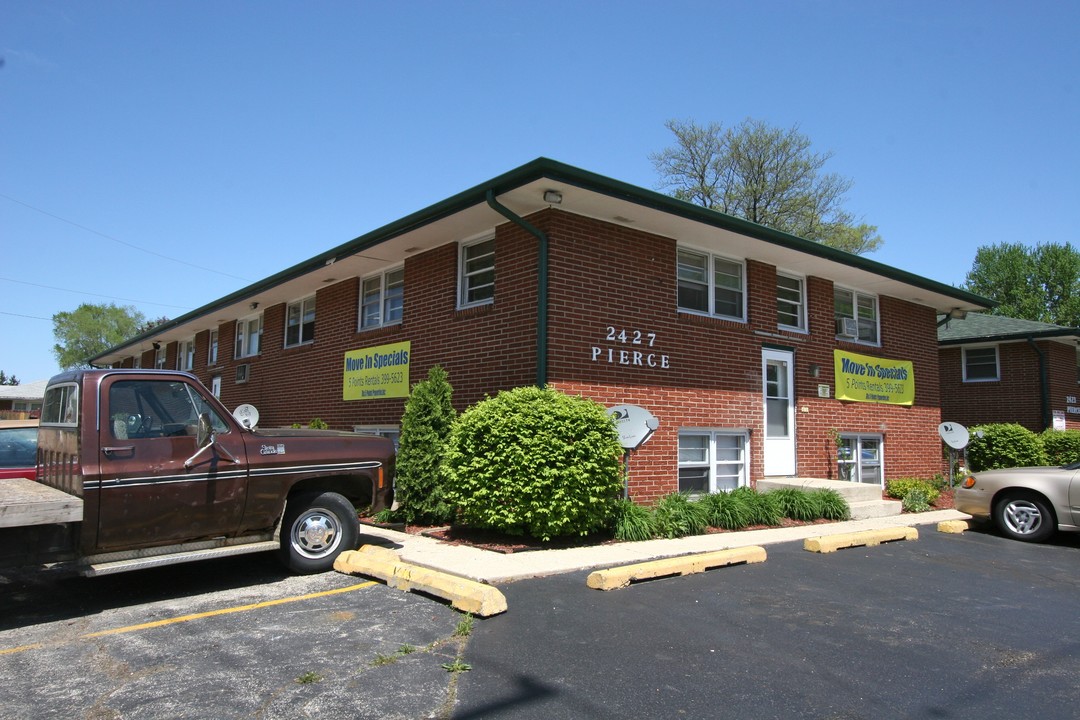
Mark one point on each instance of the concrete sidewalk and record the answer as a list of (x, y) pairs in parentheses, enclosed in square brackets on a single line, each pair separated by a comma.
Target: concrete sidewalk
[(497, 568)]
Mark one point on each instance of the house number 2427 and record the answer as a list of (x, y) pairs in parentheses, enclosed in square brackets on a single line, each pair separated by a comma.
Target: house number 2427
[(634, 337)]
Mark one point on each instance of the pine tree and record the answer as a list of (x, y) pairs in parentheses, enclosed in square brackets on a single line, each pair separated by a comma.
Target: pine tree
[(425, 427)]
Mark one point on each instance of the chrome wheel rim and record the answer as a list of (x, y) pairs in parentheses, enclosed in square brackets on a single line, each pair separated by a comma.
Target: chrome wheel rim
[(316, 533), (1022, 517)]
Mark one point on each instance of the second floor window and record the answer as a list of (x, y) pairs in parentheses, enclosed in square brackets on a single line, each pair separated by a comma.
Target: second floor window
[(856, 315), (790, 302), (248, 333), (300, 322), (711, 284), (211, 355), (185, 355), (382, 299), (477, 273), (159, 358)]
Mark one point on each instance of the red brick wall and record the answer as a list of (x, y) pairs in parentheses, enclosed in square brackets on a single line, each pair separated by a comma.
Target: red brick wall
[(699, 372), (1016, 397)]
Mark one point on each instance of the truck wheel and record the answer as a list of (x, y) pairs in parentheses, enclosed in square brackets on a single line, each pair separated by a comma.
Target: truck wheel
[(316, 528)]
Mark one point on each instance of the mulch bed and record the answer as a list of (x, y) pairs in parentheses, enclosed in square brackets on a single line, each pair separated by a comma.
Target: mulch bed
[(504, 543)]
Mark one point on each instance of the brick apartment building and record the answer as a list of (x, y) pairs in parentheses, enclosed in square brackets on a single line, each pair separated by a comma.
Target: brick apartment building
[(1004, 370), (761, 354)]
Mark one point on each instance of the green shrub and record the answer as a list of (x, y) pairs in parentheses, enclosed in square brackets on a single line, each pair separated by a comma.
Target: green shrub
[(318, 424), (725, 510), (676, 515), (633, 522), (1062, 447), (916, 500), (796, 504), (831, 505), (425, 426), (761, 508), (900, 487), (534, 461), (1002, 446)]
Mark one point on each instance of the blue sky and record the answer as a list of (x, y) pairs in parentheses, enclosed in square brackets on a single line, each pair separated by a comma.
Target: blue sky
[(164, 154)]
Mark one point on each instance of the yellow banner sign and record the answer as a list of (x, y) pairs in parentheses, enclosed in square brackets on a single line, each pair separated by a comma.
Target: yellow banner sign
[(862, 378), (377, 372)]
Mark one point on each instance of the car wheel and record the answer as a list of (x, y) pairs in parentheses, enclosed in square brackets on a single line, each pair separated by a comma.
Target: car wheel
[(316, 528), (1024, 516)]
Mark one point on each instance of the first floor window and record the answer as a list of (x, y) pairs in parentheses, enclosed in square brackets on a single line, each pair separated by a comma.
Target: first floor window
[(712, 460), (858, 458), (859, 308), (980, 364), (159, 357), (248, 332), (300, 322), (185, 355), (382, 299), (710, 284), (388, 431), (477, 277)]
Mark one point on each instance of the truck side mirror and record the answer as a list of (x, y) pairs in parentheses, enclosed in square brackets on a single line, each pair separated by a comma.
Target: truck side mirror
[(205, 433)]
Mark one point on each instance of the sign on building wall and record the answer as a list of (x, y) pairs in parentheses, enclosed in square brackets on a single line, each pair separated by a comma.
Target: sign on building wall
[(378, 372), (863, 378)]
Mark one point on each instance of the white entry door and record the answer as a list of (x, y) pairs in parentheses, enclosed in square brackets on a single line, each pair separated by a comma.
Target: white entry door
[(779, 399)]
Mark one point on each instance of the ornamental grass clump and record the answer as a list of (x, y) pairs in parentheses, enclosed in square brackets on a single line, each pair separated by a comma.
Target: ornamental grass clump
[(676, 515), (534, 461), (726, 510), (830, 505), (761, 508), (633, 522), (796, 504)]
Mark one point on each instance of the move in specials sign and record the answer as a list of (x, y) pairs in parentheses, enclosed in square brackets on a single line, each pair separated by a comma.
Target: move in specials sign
[(863, 378), (377, 372)]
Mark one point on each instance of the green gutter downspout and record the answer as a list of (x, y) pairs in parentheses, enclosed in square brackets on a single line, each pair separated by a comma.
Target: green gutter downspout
[(541, 285), (1044, 384)]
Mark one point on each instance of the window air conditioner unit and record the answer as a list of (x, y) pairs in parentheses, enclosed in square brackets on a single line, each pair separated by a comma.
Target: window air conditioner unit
[(847, 327), (242, 372)]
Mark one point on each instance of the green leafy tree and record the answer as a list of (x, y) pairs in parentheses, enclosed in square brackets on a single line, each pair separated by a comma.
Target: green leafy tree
[(766, 175), (425, 426), (534, 461), (6, 379), (1040, 283), (91, 329)]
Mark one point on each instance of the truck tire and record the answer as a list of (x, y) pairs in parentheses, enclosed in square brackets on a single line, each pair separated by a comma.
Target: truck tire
[(316, 528)]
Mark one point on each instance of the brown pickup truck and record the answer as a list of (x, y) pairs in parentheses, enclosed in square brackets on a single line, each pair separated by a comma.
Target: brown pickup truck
[(138, 468)]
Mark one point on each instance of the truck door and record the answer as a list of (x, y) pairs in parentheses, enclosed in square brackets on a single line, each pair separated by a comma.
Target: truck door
[(147, 430)]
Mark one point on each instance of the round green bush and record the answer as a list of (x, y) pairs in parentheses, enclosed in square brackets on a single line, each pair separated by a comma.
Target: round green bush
[(915, 500), (1004, 445), (900, 487), (534, 461), (1062, 446)]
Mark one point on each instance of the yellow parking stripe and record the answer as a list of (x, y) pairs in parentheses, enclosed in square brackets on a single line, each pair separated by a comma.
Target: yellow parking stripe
[(197, 616)]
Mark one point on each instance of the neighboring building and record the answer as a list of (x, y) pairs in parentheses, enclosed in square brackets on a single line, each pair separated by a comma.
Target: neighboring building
[(21, 401), (761, 354), (1004, 370)]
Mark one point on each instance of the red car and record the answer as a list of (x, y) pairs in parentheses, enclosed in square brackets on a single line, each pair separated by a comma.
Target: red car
[(18, 449)]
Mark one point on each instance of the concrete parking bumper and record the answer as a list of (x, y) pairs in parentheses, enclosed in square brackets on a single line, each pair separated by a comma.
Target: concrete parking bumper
[(619, 577), (463, 594), (832, 543)]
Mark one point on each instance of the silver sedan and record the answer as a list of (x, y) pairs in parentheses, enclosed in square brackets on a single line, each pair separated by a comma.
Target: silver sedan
[(1027, 503)]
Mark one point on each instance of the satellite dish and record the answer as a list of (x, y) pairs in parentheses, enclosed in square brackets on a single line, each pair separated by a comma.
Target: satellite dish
[(635, 425), (246, 415), (955, 435)]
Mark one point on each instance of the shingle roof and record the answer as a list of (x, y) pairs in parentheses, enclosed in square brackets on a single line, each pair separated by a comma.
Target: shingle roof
[(980, 327), (27, 391)]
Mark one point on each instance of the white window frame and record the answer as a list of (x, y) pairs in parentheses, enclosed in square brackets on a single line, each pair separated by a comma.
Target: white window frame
[(709, 283), (799, 305), (212, 349), (711, 462), (160, 353), (243, 333), (296, 314), (964, 364), (855, 465), (466, 276), (185, 355), (389, 306), (856, 296), (388, 431)]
